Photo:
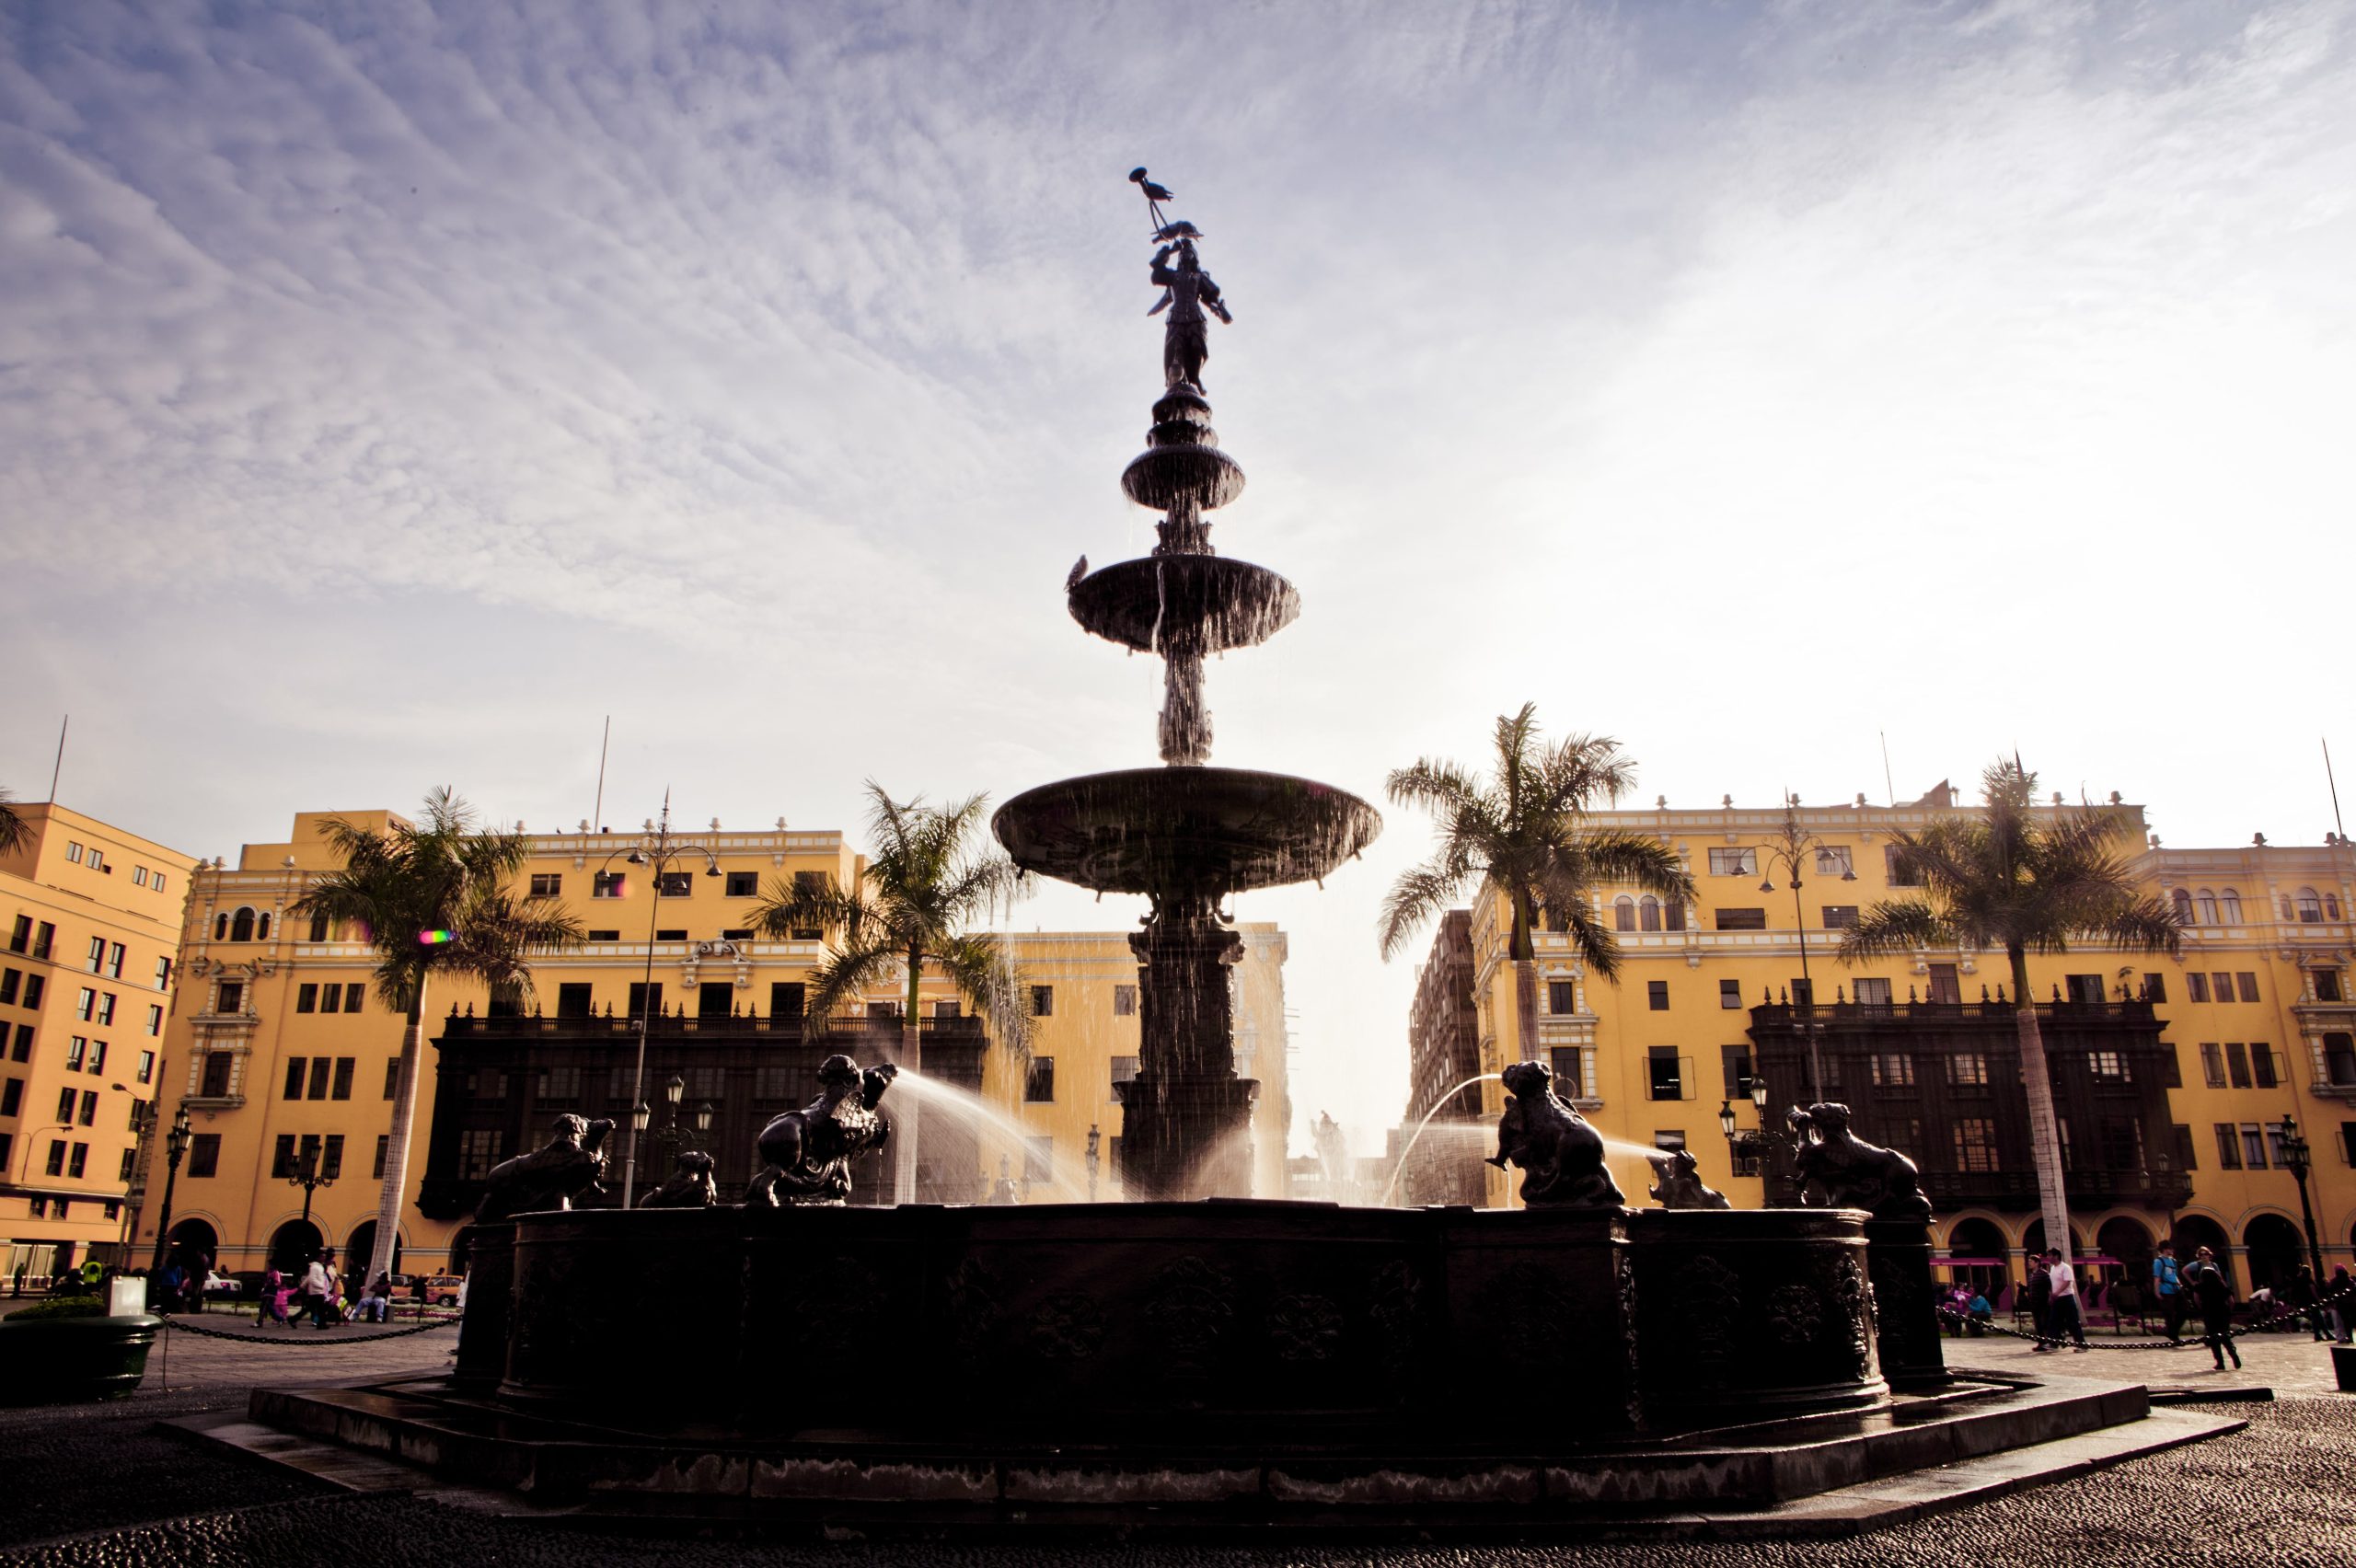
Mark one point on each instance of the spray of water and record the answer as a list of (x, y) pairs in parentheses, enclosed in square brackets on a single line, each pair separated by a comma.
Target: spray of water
[(978, 1114), (1437, 1105)]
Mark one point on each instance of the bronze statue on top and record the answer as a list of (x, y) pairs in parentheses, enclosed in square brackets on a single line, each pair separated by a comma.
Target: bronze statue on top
[(1838, 1169), (808, 1151), (1187, 291), (1560, 1155), (571, 1165)]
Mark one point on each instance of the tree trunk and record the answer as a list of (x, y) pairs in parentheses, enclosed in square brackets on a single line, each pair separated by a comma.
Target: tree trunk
[(1525, 977), (2044, 1129), (389, 1201), (911, 1060)]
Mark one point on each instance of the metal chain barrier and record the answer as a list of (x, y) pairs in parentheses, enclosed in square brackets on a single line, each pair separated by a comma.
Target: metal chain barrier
[(2288, 1315), (293, 1336)]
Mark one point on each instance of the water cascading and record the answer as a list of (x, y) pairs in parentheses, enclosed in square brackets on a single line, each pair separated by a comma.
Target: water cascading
[(1188, 835)]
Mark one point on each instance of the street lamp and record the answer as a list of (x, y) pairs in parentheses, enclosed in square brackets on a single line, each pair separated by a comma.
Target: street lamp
[(655, 849), (176, 1144), (1796, 844), (670, 1136), (306, 1176), (1751, 1143), (2295, 1161)]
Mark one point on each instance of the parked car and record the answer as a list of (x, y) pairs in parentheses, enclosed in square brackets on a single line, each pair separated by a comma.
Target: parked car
[(442, 1290)]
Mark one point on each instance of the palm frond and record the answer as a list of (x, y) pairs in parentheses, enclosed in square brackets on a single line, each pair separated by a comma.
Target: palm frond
[(985, 975), (847, 971), (13, 831), (1591, 938), (1894, 926), (1418, 896)]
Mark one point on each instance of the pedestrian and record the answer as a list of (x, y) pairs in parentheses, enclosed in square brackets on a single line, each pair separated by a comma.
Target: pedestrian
[(273, 1299), (19, 1288), (2300, 1296), (315, 1290), (2039, 1291), (2063, 1309), (2338, 1303), (2169, 1285), (1983, 1315), (2213, 1294)]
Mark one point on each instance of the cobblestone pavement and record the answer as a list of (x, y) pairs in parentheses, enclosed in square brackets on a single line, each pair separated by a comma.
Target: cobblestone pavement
[(101, 1485), (2287, 1363)]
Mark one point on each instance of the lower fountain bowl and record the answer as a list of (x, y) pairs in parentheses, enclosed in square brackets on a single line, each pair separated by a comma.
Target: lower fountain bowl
[(1207, 831)]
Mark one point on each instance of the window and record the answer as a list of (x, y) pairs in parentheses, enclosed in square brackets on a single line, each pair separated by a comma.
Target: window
[(84, 1004), (22, 937), (547, 885), (1666, 1080), (1672, 915), (2123, 1144), (306, 997), (23, 1050), (2069, 1158), (2252, 1146), (1730, 995), (2326, 984), (216, 1075), (643, 999), (2229, 907), (1839, 916), (477, 1152), (607, 884), (1742, 919), (743, 884), (1873, 993), (1734, 862), (810, 882), (1975, 1144), (2185, 1155), (2310, 907), (1944, 985), (2248, 986), (241, 926), (1039, 1159), (1892, 1069), (36, 985), (354, 995), (1833, 861), (155, 1018), (2196, 986), (563, 1084), (73, 853), (319, 931), (1656, 995), (2261, 1064), (43, 935), (204, 1153), (342, 1087), (2155, 989), (163, 974), (321, 1069), (12, 1097), (384, 1146), (2181, 902), (139, 876), (331, 1157), (2207, 902), (392, 1076), (2221, 985), (1668, 1140), (602, 936), (1574, 1071), (146, 1067), (229, 997), (2083, 987), (1125, 1069), (1968, 1070), (114, 962), (65, 1106), (1803, 993), (1125, 1001), (2338, 1059), (98, 958), (572, 1000), (7, 1151), (97, 1056), (488, 1085), (105, 1007), (76, 1049), (156, 881), (1896, 867), (1648, 913), (1623, 913), (1735, 1059), (1562, 996), (8, 979), (675, 884), (768, 1083), (671, 934), (2237, 1064), (1042, 1001), (785, 998), (2109, 1066), (56, 1164), (1039, 1081)]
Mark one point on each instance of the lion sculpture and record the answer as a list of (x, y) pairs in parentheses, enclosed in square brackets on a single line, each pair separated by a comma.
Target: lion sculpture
[(1838, 1169), (570, 1165), (1560, 1155)]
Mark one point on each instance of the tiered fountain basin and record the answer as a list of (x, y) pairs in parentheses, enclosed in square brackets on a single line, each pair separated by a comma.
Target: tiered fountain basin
[(1206, 602), (1211, 830)]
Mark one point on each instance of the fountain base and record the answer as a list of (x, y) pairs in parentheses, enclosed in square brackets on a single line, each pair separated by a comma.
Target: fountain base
[(1186, 1137)]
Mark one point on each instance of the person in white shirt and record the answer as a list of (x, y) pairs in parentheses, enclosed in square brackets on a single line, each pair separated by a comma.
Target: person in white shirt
[(316, 1291), (2066, 1315)]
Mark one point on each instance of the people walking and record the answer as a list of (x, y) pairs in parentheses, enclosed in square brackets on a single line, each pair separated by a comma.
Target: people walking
[(2038, 1289), (273, 1300), (2340, 1303), (2213, 1294), (2167, 1284), (317, 1288), (2063, 1309)]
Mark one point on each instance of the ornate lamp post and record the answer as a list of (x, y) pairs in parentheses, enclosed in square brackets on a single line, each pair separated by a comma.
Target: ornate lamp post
[(2296, 1162), (671, 1137), (1751, 1143), (176, 1144), (1793, 845), (656, 849), (306, 1176)]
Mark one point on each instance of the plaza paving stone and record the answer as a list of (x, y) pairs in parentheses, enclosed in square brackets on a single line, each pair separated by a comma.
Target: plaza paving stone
[(100, 1486)]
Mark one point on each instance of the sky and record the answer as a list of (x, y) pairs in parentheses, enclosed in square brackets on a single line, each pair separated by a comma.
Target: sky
[(389, 393)]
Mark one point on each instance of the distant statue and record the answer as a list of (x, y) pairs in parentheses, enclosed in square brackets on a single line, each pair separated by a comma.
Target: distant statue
[(1005, 1190), (1560, 1155), (808, 1151), (1838, 1169), (1676, 1182), (690, 1185), (1186, 292), (571, 1165)]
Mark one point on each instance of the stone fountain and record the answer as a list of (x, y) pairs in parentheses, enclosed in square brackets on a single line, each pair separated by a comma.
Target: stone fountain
[(1188, 835), (1168, 1362)]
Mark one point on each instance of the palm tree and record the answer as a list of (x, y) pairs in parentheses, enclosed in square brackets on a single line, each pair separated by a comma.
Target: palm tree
[(928, 877), (434, 898), (1526, 837), (2005, 879), (12, 827)]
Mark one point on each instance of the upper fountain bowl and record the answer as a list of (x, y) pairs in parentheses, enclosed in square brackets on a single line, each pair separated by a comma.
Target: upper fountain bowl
[(1202, 832), (1199, 604)]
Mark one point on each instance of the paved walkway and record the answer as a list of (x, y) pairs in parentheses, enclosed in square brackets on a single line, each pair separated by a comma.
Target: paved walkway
[(2287, 1363)]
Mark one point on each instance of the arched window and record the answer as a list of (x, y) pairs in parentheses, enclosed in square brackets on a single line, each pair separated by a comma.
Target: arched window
[(2207, 907), (2183, 902), (2287, 913), (261, 927), (2310, 907), (2331, 906), (1623, 913), (2229, 905), (241, 926), (319, 927), (1648, 914), (220, 927), (1672, 915)]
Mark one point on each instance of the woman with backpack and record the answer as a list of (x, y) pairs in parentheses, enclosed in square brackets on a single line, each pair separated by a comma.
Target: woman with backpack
[(2212, 1292)]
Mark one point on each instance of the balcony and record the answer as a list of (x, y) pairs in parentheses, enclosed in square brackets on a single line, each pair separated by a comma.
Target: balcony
[(1877, 1015), (790, 1028), (2016, 1190)]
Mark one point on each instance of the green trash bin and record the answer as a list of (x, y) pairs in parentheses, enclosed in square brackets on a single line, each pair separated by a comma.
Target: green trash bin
[(46, 1360)]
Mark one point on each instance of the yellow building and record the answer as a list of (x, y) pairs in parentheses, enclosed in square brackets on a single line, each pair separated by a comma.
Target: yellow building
[(283, 1046), (2171, 1072), (93, 920)]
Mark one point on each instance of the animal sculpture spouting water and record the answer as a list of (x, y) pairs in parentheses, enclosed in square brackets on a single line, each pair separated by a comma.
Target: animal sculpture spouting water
[(808, 1151), (1676, 1182), (1838, 1169), (1560, 1155)]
